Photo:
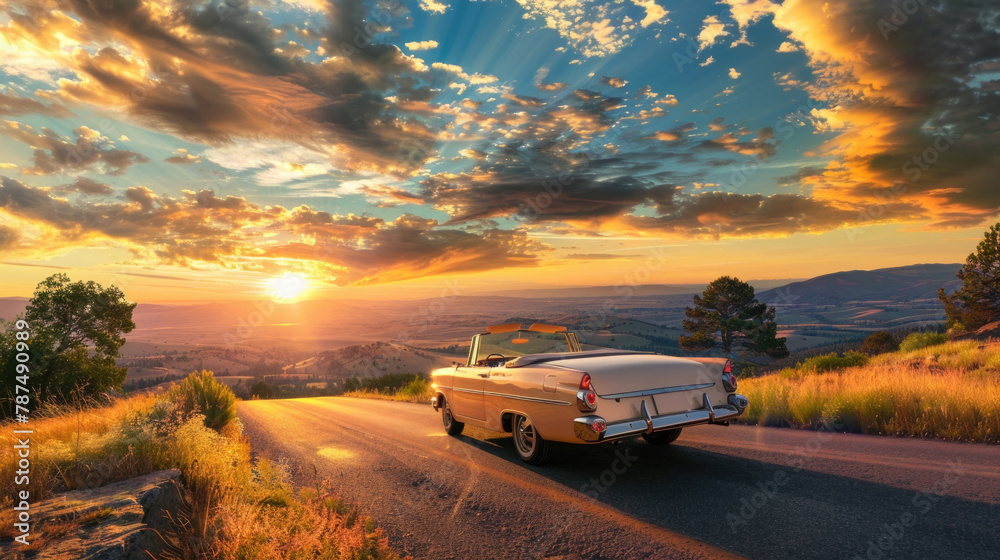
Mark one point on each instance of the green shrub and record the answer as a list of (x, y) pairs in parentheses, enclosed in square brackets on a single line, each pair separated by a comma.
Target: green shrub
[(918, 340), (824, 363), (200, 393), (879, 342), (416, 388)]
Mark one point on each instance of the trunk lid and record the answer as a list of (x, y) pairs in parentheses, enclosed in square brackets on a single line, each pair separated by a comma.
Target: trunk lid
[(626, 372)]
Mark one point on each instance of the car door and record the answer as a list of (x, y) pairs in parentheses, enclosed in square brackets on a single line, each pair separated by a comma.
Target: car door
[(468, 386), (467, 392)]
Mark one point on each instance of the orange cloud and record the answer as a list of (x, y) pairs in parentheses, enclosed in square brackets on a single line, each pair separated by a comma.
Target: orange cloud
[(201, 229)]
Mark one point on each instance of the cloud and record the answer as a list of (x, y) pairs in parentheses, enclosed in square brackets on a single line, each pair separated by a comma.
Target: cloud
[(216, 75), (613, 82), (654, 12), (897, 139), (182, 157), (9, 239), (58, 155), (733, 73), (12, 105), (474, 79), (594, 29), (747, 12), (720, 214), (554, 86), (87, 186), (788, 47), (597, 256), (421, 45), (201, 230), (669, 100), (274, 162), (433, 6), (712, 29)]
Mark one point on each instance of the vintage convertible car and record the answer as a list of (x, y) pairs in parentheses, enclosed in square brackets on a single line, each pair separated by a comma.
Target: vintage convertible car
[(540, 385)]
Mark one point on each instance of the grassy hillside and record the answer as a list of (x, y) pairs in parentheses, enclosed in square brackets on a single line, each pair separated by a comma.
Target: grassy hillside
[(949, 391), (240, 508)]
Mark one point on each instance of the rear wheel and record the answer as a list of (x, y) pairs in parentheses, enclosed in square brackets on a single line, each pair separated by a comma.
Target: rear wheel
[(662, 438), (530, 446), (452, 426)]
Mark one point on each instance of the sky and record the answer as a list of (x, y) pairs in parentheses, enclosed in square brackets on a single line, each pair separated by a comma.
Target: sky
[(188, 150)]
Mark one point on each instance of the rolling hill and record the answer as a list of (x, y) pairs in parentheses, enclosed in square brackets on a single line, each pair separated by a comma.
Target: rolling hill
[(896, 285)]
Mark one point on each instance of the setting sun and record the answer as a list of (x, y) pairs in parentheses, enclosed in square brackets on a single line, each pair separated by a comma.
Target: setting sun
[(288, 288)]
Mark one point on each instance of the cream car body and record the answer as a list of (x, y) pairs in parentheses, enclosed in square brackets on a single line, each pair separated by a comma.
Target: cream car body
[(539, 384)]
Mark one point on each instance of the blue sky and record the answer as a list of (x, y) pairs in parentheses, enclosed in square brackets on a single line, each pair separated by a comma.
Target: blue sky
[(362, 144)]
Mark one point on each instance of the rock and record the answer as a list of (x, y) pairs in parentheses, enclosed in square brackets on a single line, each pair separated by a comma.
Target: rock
[(985, 332), (140, 509)]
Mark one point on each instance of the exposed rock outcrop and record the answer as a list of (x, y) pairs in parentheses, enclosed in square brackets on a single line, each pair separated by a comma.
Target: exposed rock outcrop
[(985, 332), (126, 519)]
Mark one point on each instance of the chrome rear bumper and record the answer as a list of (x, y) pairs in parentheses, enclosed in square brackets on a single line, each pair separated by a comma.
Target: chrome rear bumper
[(647, 424)]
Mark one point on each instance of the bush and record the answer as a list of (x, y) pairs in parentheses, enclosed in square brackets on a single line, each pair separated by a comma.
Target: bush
[(415, 389), (879, 343), (200, 393), (918, 340), (826, 362)]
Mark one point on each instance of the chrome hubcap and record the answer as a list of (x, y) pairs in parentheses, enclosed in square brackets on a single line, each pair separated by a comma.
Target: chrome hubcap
[(524, 436)]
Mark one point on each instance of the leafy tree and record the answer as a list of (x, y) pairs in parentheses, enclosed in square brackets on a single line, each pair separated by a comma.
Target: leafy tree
[(879, 342), (262, 390), (728, 314), (76, 332), (977, 302)]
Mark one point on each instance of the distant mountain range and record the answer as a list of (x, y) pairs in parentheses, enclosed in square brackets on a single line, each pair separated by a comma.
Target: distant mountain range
[(900, 284), (644, 290), (434, 322)]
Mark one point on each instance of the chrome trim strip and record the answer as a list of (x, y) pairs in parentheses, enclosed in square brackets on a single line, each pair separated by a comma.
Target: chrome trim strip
[(632, 428), (645, 416), (530, 399), (662, 390), (509, 396), (708, 407)]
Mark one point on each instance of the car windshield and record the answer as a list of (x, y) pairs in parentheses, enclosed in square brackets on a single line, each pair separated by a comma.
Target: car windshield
[(519, 343)]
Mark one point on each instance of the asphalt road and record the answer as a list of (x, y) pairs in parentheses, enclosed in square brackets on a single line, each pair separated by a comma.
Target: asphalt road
[(717, 492)]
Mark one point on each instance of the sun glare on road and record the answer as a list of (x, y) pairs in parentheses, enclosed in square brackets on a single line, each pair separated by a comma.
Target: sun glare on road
[(335, 453), (288, 288)]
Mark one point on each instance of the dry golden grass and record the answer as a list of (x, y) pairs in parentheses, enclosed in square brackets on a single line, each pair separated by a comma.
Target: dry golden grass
[(238, 509), (78, 447), (422, 398), (417, 391), (949, 391)]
